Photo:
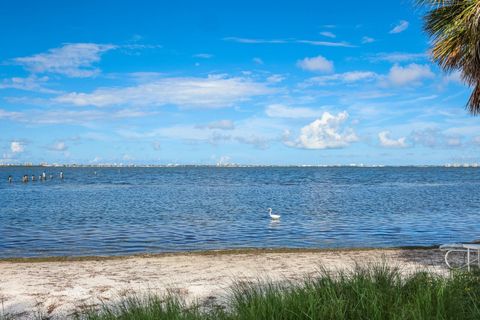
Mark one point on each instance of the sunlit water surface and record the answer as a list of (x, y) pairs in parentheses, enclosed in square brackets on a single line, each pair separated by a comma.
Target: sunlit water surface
[(112, 211)]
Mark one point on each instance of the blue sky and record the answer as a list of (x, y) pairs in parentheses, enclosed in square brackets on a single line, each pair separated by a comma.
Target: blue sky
[(207, 82)]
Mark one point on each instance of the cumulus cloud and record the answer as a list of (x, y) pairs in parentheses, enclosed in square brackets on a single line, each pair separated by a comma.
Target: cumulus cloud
[(326, 132), (282, 111), (210, 92), (400, 27), (17, 147), (409, 75), (317, 64), (72, 60), (386, 141)]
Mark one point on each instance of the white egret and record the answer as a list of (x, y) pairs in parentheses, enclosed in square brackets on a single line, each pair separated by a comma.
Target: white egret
[(273, 216)]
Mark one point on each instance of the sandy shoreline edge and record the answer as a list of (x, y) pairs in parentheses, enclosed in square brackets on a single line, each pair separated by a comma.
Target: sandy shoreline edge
[(246, 250), (56, 286)]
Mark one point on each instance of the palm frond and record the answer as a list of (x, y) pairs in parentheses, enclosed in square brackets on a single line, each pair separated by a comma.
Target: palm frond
[(454, 26)]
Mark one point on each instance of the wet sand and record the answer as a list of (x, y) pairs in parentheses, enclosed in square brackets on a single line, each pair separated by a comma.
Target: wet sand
[(56, 288)]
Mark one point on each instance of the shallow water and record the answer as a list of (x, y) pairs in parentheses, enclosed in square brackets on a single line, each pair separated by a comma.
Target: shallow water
[(148, 210)]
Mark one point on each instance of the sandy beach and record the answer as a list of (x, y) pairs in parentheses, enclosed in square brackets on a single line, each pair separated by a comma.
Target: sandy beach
[(57, 288)]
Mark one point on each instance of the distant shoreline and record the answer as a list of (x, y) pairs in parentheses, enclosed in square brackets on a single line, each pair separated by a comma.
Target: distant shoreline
[(106, 166)]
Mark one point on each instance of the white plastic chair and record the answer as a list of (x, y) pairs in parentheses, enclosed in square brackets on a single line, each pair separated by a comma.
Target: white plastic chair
[(461, 251)]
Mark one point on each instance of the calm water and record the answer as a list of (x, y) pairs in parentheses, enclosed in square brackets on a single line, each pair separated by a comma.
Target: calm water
[(137, 210)]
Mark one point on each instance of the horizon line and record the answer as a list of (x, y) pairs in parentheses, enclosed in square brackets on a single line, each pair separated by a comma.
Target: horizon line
[(113, 165)]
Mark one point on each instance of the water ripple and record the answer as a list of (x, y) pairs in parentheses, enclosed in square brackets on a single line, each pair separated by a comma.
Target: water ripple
[(137, 210)]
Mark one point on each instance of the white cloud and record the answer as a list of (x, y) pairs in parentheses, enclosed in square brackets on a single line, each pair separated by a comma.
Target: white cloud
[(11, 115), (203, 55), (326, 43), (253, 41), (17, 146), (257, 60), (72, 60), (69, 116), (142, 77), (59, 146), (318, 63), (254, 140), (282, 111), (324, 133), (221, 124), (453, 141), (328, 34), (395, 57), (281, 41), (135, 46), (410, 74), (367, 40), (30, 83), (386, 141), (210, 92), (454, 76), (346, 77), (434, 138), (275, 78), (252, 131), (400, 27)]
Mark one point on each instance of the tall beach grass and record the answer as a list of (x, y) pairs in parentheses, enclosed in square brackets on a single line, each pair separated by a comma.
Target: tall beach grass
[(376, 292)]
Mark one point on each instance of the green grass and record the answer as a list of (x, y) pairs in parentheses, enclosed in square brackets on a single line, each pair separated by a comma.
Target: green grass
[(377, 292)]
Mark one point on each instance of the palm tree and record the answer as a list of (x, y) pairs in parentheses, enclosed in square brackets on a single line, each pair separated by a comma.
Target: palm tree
[(454, 26)]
